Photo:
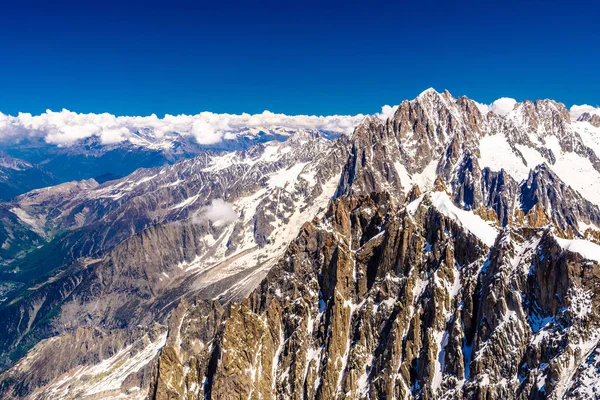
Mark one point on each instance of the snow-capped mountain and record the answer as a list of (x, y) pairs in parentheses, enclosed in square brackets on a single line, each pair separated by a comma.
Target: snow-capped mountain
[(72, 146), (73, 213), (441, 251), (91, 159), (534, 154)]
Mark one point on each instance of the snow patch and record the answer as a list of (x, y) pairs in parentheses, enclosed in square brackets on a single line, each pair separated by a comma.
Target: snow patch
[(497, 154), (587, 249), (471, 222), (283, 178)]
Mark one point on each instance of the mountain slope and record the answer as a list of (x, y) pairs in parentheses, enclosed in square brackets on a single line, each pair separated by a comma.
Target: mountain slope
[(84, 146), (19, 176), (82, 219), (196, 244)]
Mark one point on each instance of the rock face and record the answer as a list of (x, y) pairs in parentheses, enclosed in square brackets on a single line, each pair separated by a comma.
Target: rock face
[(567, 206), (487, 160), (125, 365), (383, 302), (442, 253), (592, 119)]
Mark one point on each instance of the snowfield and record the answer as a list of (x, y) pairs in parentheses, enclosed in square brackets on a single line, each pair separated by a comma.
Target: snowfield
[(587, 249)]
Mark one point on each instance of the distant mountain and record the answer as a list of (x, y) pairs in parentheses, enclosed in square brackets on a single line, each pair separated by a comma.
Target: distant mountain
[(594, 119), (90, 158), (442, 251), (71, 146), (19, 176)]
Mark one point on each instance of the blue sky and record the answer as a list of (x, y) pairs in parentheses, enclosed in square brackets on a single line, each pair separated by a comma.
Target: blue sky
[(303, 58)]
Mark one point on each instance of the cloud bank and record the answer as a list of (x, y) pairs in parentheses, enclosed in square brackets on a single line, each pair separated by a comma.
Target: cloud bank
[(66, 127)]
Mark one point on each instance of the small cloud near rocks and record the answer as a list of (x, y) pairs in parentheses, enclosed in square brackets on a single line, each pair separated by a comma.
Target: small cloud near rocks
[(502, 106), (387, 111), (219, 212)]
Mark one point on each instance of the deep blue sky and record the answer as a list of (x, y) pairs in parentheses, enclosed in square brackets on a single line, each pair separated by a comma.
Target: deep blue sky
[(293, 57)]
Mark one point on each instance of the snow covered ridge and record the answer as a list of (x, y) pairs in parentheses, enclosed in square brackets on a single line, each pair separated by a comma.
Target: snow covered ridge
[(504, 105), (587, 249), (108, 375), (485, 231)]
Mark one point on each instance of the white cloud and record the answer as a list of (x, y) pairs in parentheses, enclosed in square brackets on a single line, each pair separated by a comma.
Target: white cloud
[(219, 212), (387, 112), (116, 135), (67, 127), (577, 110), (205, 132), (502, 106)]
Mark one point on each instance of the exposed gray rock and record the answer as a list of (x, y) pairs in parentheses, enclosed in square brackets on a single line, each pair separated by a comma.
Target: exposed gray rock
[(375, 301)]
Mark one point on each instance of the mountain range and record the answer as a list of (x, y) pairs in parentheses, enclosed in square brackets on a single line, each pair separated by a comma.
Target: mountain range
[(441, 250)]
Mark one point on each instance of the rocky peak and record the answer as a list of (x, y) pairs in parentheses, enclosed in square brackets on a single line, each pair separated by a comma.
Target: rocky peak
[(487, 214), (424, 129), (378, 302), (548, 109), (537, 217), (536, 124), (593, 119), (475, 119), (439, 185), (430, 92), (525, 109), (435, 134), (413, 194), (544, 190), (430, 99), (499, 191), (536, 111), (592, 235), (430, 117)]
